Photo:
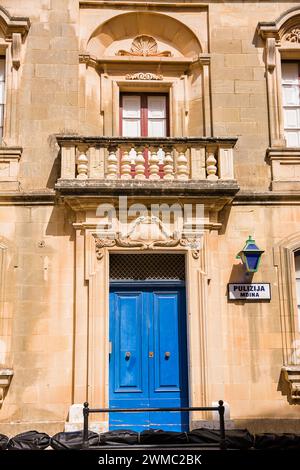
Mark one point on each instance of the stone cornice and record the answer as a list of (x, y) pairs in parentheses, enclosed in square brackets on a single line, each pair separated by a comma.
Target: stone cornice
[(100, 140), (276, 29), (88, 4), (102, 188), (27, 198), (13, 24), (92, 61), (245, 197)]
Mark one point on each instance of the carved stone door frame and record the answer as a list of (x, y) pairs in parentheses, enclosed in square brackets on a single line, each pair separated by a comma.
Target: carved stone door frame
[(91, 340)]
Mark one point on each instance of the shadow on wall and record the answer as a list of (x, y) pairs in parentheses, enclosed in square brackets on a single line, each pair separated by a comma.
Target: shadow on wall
[(284, 388), (55, 170)]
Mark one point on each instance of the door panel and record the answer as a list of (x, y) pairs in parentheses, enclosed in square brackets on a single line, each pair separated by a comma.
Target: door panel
[(168, 376), (148, 363), (129, 359), (128, 382), (166, 342)]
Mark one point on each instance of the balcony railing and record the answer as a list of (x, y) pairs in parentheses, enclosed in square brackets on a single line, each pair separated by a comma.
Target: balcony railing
[(154, 159)]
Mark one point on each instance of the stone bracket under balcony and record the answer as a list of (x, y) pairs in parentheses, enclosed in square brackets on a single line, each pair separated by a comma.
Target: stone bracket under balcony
[(291, 375), (5, 379), (142, 165)]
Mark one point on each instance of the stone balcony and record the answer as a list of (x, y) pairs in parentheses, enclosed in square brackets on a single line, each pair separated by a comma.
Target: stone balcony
[(192, 165)]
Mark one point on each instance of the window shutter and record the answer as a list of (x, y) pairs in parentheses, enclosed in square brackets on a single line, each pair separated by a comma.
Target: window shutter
[(131, 119), (291, 102), (2, 94)]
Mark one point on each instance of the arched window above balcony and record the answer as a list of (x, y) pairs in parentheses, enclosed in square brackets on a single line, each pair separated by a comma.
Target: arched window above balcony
[(148, 52)]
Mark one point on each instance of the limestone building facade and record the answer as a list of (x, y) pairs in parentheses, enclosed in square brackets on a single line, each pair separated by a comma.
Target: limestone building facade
[(114, 116)]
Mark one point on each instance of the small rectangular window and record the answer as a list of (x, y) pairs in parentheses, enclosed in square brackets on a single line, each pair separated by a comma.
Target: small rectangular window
[(291, 102), (2, 94)]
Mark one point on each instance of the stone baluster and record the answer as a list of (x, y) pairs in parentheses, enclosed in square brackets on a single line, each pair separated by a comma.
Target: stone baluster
[(211, 165), (125, 163), (153, 164), (168, 164), (82, 166), (182, 172), (139, 164), (112, 160)]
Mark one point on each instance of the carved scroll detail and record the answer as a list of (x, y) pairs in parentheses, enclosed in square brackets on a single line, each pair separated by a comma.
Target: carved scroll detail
[(100, 244), (293, 35), (143, 76)]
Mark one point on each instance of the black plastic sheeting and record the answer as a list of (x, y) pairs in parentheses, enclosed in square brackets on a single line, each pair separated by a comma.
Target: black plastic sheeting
[(3, 441), (120, 437), (284, 441), (234, 438), (30, 440), (72, 440), (156, 436)]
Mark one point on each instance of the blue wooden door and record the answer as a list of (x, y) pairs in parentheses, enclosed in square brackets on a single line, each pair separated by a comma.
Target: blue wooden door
[(148, 358)]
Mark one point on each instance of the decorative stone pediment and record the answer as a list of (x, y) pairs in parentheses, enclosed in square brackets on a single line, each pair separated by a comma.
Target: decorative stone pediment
[(146, 233), (145, 46)]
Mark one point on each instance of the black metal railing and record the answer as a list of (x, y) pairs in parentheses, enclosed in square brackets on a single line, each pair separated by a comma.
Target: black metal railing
[(86, 411)]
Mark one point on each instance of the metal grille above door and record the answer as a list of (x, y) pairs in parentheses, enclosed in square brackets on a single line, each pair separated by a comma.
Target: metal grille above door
[(142, 267)]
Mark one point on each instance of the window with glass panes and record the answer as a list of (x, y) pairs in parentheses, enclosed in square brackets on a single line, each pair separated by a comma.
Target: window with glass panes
[(291, 102), (144, 115), (297, 269), (2, 93)]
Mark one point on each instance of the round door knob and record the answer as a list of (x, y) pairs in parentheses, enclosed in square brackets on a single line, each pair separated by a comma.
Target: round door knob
[(127, 355), (167, 354)]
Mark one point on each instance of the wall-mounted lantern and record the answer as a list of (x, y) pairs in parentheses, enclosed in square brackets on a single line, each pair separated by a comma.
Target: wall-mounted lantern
[(250, 255)]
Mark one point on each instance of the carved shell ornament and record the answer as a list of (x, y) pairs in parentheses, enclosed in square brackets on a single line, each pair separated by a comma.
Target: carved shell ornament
[(293, 35), (144, 46)]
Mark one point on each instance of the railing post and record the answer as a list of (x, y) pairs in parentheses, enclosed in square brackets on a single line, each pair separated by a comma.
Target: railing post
[(221, 411), (68, 161), (85, 425), (225, 162)]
